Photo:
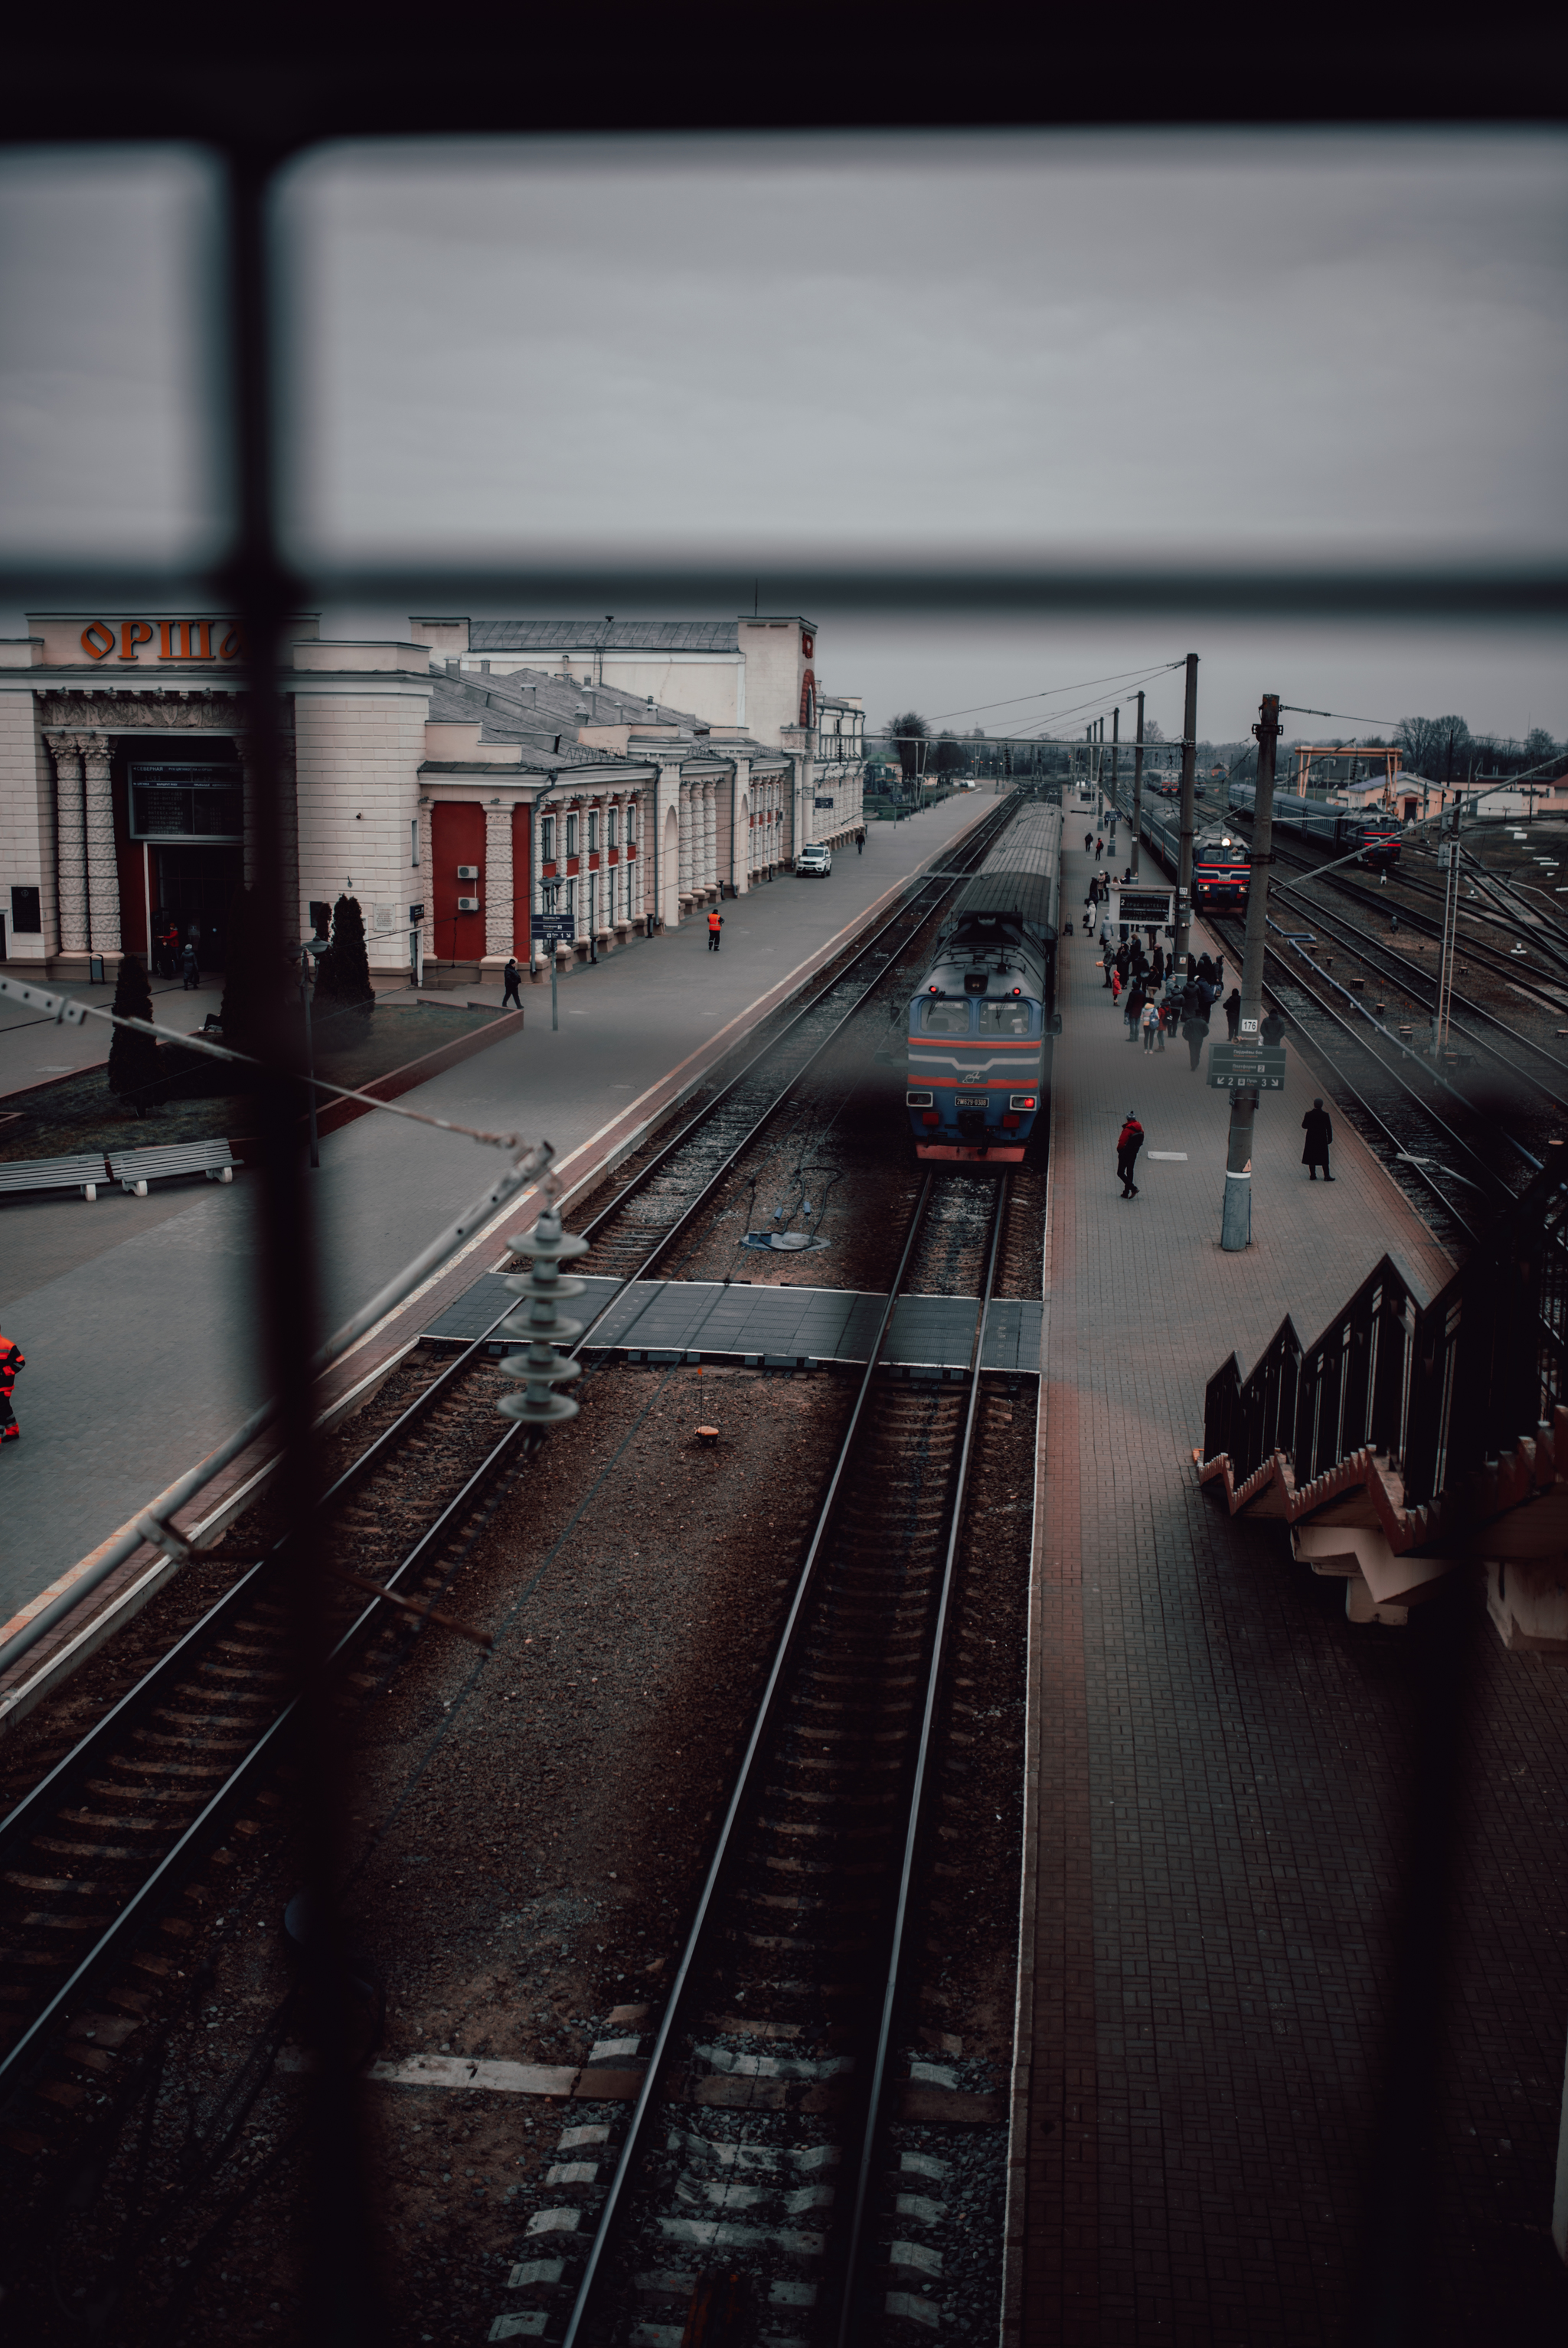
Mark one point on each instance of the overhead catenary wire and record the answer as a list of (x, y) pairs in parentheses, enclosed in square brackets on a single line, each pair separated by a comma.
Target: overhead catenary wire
[(1049, 692)]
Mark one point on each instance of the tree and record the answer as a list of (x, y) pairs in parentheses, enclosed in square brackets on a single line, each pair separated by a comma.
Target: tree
[(343, 971), (134, 1073), (907, 732), (1427, 744), (950, 759), (1152, 731), (1540, 748)]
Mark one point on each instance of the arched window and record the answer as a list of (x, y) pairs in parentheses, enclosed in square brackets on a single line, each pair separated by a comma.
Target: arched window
[(807, 699)]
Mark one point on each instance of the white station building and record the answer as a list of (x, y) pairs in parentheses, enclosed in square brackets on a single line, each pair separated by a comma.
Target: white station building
[(457, 783)]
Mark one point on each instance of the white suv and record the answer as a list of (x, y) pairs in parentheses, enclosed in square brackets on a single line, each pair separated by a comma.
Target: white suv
[(815, 856)]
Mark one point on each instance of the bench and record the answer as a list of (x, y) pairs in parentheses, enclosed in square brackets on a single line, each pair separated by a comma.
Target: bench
[(83, 1174), (133, 1170)]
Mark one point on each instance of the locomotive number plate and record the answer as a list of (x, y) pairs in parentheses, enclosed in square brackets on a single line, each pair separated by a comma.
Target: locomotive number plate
[(971, 1100)]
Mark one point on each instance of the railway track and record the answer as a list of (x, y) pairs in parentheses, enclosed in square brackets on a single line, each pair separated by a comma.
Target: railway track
[(1412, 1121), (761, 2165), (94, 1857)]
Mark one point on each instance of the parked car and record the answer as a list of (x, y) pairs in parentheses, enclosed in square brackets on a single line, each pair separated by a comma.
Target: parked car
[(815, 859)]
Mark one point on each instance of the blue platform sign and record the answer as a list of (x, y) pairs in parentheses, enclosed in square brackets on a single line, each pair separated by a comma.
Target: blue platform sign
[(552, 928)]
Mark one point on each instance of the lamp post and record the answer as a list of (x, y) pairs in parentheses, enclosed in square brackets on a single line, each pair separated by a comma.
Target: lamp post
[(1236, 1217)]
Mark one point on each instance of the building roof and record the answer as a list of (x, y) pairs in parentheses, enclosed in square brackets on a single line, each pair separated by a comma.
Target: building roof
[(532, 707), (596, 635)]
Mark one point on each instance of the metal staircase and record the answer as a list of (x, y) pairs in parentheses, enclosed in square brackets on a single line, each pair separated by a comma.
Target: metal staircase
[(1407, 1440)]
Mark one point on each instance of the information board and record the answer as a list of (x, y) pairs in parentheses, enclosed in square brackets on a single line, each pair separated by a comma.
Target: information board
[(552, 929), (1238, 1068)]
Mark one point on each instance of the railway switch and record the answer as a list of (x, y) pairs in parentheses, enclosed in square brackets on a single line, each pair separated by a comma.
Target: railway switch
[(542, 1366)]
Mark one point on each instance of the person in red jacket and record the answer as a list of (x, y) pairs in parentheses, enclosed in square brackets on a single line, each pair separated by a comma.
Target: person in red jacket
[(1128, 1142), (10, 1363)]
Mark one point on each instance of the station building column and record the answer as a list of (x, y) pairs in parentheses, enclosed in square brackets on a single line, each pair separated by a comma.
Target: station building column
[(498, 884), (70, 841)]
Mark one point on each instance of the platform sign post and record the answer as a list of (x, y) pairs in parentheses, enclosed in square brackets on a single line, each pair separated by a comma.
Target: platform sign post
[(552, 930), (1246, 1057)]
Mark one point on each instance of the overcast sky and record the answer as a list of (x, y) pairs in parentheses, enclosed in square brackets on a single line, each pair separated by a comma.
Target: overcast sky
[(757, 349)]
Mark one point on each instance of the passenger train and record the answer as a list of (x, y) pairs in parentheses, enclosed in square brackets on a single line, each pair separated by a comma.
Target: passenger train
[(1220, 868), (978, 1025)]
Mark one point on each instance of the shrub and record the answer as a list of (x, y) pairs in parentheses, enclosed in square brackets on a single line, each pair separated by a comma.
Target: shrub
[(343, 971), (134, 1072)]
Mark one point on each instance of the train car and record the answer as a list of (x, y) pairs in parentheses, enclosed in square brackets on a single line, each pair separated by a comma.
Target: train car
[(1374, 838), (977, 1027)]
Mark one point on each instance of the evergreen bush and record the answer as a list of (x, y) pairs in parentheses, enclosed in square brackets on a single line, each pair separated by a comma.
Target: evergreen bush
[(134, 1071), (343, 971)]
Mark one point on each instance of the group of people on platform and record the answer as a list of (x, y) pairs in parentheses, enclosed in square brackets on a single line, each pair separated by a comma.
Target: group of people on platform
[(1156, 1000)]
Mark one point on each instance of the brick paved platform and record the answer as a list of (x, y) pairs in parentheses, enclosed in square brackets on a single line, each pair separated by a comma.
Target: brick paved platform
[(729, 1320), (1218, 1817)]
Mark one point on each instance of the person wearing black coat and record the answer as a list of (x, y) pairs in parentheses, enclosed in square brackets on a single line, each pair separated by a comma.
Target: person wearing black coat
[(1319, 1133), (1232, 1013), (1273, 1029)]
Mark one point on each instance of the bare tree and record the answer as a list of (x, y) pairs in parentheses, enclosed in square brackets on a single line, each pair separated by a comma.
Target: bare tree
[(907, 732), (1434, 747)]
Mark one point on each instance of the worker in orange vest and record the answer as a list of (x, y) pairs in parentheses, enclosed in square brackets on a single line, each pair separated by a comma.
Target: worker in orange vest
[(10, 1363), (715, 924)]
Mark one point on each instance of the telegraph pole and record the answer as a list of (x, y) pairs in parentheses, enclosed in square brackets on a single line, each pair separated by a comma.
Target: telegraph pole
[(1138, 787), (1236, 1219), (1184, 862)]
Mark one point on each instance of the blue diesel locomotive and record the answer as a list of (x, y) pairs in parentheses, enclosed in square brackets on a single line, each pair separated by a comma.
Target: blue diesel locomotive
[(978, 1025)]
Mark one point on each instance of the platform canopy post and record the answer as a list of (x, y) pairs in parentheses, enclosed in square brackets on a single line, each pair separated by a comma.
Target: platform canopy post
[(1189, 778)]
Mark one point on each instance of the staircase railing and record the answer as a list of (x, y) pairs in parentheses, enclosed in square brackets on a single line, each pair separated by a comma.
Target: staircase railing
[(1441, 1389)]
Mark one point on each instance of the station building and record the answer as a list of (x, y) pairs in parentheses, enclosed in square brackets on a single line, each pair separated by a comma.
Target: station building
[(456, 791)]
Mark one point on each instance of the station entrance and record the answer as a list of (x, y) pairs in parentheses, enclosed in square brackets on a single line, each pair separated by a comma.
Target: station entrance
[(195, 887)]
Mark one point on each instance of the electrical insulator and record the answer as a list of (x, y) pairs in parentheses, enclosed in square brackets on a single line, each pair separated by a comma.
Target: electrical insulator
[(542, 1367)]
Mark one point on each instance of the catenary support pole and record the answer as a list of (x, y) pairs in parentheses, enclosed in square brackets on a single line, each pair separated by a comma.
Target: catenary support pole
[(1236, 1219), (1138, 787), (1184, 858), (1115, 758)]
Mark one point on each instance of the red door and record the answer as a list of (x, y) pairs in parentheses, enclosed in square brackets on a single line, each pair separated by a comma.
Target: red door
[(458, 837)]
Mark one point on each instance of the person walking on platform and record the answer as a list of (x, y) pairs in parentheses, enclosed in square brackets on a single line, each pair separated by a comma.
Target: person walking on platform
[(714, 926), (1088, 843), (1136, 999), (191, 968), (1273, 1029), (1149, 1019), (1128, 1142), (1232, 1013), (861, 841), (11, 1360), (513, 978), (1319, 1133), (1099, 849)]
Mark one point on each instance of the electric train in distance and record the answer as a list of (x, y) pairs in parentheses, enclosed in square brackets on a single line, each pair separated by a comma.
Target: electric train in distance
[(1374, 835), (977, 1027)]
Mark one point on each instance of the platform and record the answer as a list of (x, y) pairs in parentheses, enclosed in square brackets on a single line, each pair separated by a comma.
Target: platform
[(771, 1326), (1214, 1853), (133, 1313)]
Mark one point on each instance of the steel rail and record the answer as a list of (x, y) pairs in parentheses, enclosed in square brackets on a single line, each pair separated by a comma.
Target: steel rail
[(1428, 926), (98, 1747), (1377, 959), (851, 2304), (1347, 1085), (767, 1712), (94, 1750)]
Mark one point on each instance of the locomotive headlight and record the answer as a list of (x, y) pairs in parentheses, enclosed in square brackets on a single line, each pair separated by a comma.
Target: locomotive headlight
[(1020, 1100), (918, 1100)]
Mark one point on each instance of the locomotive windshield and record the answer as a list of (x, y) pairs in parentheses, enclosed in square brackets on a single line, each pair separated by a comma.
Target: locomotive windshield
[(946, 1018), (1005, 1018)]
